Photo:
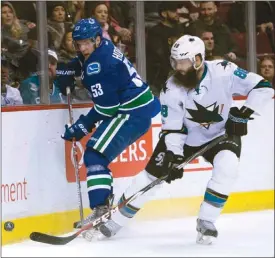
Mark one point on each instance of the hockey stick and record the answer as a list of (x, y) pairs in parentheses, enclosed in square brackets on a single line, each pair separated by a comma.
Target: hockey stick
[(75, 158), (57, 240)]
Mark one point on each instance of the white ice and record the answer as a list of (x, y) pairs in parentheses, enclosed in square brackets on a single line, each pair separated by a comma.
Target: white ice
[(249, 234)]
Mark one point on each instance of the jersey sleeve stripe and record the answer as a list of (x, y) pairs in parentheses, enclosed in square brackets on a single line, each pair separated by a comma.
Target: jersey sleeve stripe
[(142, 99)]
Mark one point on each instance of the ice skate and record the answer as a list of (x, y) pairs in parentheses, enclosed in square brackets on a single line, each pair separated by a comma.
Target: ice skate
[(207, 232), (94, 233), (109, 228)]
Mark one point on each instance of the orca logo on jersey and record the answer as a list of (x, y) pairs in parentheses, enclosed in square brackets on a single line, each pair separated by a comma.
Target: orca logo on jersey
[(93, 68), (206, 116)]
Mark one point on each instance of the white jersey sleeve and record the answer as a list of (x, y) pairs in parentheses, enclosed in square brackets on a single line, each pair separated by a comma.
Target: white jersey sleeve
[(253, 86), (172, 116)]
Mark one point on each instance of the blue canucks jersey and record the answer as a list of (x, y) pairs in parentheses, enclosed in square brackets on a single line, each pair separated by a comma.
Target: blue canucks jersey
[(114, 84)]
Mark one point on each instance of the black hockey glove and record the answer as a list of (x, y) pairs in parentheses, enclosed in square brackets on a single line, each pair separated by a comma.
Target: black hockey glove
[(169, 167), (65, 77), (236, 123)]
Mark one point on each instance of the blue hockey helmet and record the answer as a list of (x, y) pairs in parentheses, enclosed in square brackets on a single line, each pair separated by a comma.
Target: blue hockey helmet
[(87, 29)]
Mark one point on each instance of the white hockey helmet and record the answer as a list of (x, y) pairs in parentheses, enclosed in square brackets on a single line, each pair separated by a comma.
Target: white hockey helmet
[(189, 47)]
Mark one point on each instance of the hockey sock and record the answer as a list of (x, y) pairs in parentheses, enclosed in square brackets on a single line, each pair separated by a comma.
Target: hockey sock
[(99, 178)]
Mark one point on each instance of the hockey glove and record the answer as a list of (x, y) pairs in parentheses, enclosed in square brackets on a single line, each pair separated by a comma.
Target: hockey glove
[(170, 163), (65, 77), (78, 130), (237, 121)]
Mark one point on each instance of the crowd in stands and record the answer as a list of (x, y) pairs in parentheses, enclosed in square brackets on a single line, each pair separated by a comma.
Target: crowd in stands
[(221, 25)]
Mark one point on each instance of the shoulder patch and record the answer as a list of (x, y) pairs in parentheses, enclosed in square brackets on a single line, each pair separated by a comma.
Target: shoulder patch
[(93, 68)]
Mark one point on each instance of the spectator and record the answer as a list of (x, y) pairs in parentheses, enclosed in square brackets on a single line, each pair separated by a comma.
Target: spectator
[(120, 15), (123, 18), (30, 88), (151, 14), (66, 54), (210, 51), (67, 51), (100, 12), (209, 22), (25, 10), (184, 15), (265, 19), (188, 11), (267, 69), (238, 24), (265, 15), (159, 41), (194, 10), (15, 42), (14, 37), (76, 10), (9, 96), (57, 24)]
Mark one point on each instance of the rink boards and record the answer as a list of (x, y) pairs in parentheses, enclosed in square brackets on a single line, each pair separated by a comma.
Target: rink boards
[(38, 190)]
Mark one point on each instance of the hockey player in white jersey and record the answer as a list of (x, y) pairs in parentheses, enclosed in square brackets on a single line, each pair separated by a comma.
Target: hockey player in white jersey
[(196, 109)]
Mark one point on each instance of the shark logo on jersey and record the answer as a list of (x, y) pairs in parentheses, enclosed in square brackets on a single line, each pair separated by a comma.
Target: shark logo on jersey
[(224, 63), (93, 68), (205, 116)]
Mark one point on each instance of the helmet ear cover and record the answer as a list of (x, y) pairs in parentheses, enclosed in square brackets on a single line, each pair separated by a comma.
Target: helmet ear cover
[(201, 59)]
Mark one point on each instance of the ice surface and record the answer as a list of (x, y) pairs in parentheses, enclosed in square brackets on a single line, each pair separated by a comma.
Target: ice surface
[(249, 234)]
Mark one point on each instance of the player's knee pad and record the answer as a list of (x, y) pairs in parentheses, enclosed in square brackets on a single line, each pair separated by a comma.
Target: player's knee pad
[(99, 177), (140, 181), (225, 171), (224, 175)]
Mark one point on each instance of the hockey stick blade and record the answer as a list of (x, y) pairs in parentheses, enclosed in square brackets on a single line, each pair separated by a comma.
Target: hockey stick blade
[(49, 239), (59, 240)]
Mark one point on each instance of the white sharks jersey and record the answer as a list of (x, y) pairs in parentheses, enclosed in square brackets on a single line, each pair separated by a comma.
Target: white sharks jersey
[(204, 110)]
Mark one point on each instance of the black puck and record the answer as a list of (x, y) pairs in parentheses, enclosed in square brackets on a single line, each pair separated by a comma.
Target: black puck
[(8, 226)]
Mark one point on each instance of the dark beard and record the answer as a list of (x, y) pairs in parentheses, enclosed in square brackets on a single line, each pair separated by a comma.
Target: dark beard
[(189, 80)]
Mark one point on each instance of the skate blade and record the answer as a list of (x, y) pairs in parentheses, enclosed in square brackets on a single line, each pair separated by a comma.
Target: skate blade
[(93, 236), (205, 240)]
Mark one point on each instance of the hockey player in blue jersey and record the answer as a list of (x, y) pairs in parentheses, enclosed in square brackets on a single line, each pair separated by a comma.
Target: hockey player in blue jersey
[(122, 101)]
